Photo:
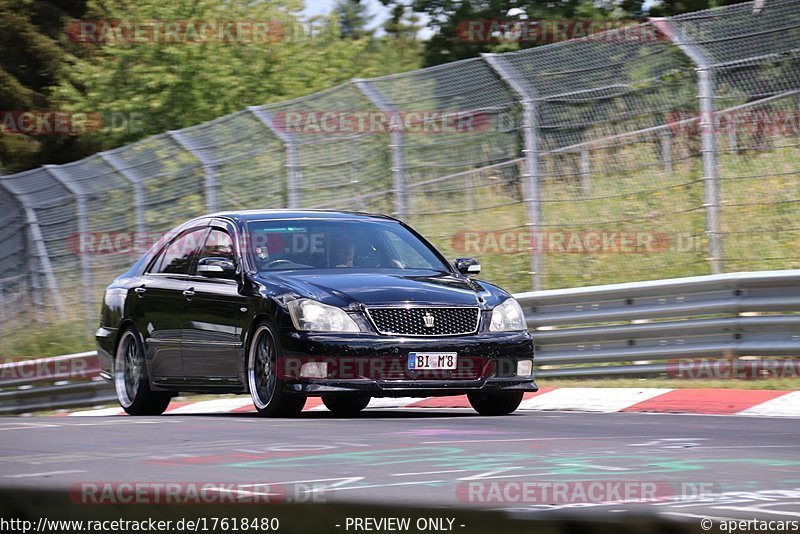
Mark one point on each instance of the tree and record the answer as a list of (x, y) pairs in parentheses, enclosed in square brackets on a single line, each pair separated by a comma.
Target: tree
[(353, 18), (452, 21), (34, 59), (668, 8)]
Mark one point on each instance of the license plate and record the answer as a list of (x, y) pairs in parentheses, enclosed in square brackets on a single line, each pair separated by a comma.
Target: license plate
[(432, 360)]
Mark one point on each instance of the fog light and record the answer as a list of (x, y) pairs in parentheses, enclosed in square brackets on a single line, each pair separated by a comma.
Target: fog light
[(314, 370), (524, 367)]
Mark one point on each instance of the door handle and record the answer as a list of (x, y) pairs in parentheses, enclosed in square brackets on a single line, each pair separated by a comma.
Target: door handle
[(141, 291), (188, 293)]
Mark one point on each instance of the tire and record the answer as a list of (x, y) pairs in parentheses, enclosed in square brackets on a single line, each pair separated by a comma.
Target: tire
[(345, 405), (266, 389), (495, 403), (130, 378)]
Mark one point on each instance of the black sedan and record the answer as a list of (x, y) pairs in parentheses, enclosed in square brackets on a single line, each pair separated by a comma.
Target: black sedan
[(290, 304)]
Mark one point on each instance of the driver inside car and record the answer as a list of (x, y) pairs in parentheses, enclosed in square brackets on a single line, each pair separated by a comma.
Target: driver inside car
[(344, 251)]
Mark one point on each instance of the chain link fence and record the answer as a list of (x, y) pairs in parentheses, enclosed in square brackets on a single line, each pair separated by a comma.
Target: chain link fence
[(663, 150)]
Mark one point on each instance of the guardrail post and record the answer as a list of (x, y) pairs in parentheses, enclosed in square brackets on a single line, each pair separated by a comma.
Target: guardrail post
[(397, 146), (530, 151), (210, 183), (706, 91), (293, 176), (138, 194)]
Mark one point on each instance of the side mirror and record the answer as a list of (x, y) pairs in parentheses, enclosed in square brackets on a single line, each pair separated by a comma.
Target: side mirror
[(216, 267), (468, 266)]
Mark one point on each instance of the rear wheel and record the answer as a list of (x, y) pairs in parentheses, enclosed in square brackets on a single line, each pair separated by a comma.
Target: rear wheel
[(345, 405), (131, 381), (495, 403), (266, 389)]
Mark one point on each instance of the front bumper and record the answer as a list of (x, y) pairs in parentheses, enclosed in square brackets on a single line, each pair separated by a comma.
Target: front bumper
[(377, 365)]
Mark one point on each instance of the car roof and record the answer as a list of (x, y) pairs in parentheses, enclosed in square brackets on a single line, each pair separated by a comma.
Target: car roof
[(286, 214)]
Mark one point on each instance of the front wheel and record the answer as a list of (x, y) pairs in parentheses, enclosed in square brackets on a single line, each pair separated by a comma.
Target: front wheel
[(266, 389), (345, 405), (495, 403), (130, 378)]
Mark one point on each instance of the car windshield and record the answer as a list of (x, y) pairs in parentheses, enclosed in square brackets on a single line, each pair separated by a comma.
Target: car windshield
[(338, 244)]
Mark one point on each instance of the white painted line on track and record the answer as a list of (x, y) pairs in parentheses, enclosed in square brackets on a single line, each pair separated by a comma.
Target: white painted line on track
[(527, 439), (99, 413), (49, 473), (761, 510), (430, 473), (211, 406), (697, 516)]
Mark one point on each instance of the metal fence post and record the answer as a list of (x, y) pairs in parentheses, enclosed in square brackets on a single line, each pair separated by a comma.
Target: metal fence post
[(83, 230), (710, 177), (586, 171), (530, 151), (39, 260), (293, 177), (397, 146), (138, 194), (210, 184), (706, 92), (666, 151)]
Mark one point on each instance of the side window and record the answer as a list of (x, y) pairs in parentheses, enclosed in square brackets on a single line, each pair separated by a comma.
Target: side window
[(218, 245), (179, 255)]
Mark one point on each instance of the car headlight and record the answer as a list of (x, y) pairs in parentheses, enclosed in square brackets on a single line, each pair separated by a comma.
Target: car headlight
[(312, 316), (508, 317)]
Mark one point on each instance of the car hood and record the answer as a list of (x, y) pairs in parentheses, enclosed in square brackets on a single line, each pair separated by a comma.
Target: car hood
[(420, 287)]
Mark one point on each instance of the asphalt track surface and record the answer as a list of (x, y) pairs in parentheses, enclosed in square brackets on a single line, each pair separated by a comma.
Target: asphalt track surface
[(721, 467)]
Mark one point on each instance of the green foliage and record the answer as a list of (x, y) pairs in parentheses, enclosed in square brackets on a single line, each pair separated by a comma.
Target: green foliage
[(450, 19), (148, 86), (46, 339), (34, 60), (353, 18)]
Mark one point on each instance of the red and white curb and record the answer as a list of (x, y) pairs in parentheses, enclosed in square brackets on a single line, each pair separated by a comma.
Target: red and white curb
[(763, 403)]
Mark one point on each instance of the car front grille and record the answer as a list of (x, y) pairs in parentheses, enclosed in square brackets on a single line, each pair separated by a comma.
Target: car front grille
[(424, 321)]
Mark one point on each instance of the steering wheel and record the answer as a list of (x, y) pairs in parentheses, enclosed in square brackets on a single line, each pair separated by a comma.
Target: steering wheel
[(395, 264), (274, 263)]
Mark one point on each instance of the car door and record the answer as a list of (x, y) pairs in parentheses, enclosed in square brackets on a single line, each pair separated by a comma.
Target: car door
[(160, 302), (214, 316)]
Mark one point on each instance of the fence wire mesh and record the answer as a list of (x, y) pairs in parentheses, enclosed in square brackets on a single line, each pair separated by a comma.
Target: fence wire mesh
[(577, 163)]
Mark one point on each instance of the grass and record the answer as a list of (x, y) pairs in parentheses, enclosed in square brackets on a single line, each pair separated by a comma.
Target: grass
[(39, 340)]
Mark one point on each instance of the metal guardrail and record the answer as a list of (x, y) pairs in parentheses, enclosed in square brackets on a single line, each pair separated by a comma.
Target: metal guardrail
[(621, 325), (602, 331), (66, 381)]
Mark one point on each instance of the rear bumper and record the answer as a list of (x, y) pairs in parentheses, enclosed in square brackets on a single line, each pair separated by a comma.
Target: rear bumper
[(378, 365)]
